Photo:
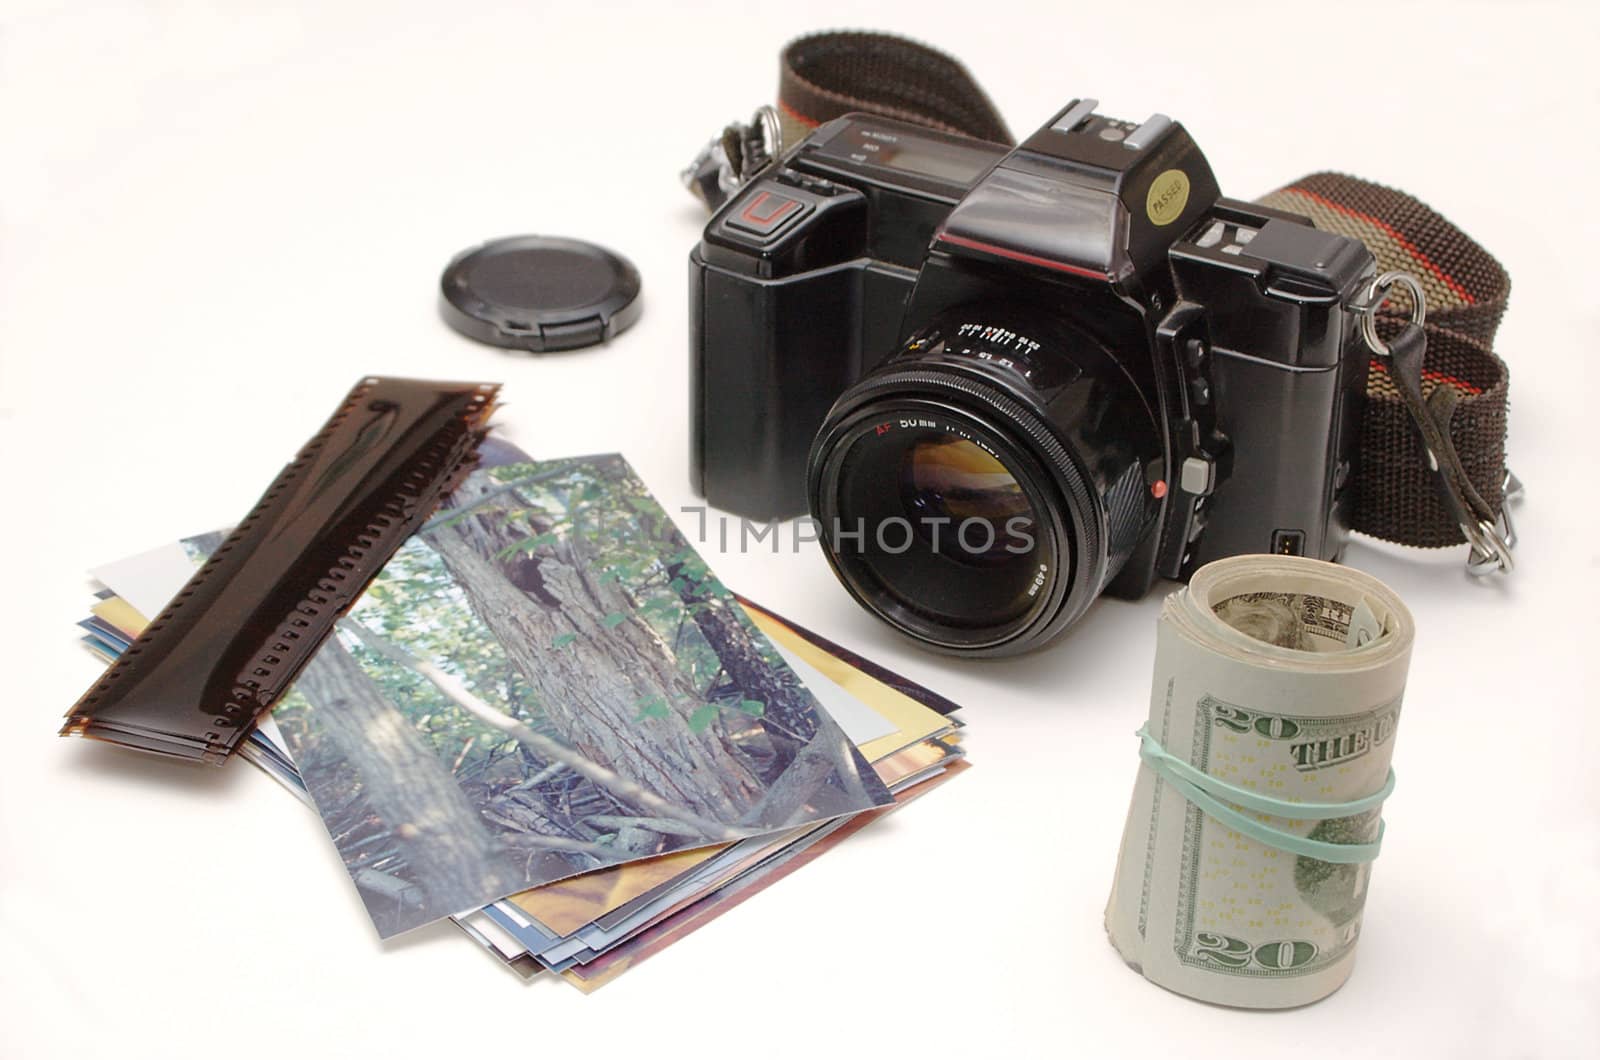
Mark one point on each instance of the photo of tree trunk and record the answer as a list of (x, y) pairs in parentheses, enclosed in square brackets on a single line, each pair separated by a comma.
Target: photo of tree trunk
[(547, 680)]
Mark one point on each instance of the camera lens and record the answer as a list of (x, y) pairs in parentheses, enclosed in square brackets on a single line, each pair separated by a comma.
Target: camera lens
[(937, 529), (980, 503)]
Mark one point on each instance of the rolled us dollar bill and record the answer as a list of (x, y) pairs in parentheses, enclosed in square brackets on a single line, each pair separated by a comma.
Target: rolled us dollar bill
[(1263, 767)]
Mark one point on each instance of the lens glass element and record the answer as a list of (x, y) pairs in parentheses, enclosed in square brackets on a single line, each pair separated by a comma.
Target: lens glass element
[(950, 481), (938, 527)]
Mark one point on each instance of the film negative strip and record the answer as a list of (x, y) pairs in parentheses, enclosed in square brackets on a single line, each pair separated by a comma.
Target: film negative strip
[(235, 637)]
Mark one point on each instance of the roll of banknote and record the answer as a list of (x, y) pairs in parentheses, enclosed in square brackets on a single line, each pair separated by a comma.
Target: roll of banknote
[(1263, 767)]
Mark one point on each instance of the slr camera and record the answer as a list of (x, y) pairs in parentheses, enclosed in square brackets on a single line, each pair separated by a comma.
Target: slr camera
[(1005, 380)]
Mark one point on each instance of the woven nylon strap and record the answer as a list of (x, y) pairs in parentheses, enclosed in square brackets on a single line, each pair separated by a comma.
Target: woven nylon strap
[(829, 74)]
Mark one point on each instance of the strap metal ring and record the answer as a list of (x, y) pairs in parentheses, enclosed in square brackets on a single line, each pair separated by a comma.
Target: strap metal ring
[(1377, 293), (766, 117)]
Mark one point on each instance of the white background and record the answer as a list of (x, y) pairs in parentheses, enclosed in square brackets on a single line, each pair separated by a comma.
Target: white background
[(212, 223)]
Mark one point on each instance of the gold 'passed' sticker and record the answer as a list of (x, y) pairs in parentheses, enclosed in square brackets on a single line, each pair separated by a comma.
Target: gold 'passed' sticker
[(1169, 194)]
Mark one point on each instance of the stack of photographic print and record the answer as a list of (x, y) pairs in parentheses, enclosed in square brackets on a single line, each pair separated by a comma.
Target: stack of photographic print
[(547, 710)]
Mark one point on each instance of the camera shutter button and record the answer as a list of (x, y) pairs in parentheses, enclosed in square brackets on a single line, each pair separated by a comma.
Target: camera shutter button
[(767, 213)]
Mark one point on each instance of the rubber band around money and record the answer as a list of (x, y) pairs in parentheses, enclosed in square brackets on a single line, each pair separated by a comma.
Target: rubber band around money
[(1208, 792)]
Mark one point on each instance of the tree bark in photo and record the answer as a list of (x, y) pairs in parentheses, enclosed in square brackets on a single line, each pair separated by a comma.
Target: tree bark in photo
[(606, 682), (450, 855), (787, 713)]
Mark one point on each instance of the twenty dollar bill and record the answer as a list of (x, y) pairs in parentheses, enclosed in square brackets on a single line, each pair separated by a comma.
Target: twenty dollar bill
[(1280, 677)]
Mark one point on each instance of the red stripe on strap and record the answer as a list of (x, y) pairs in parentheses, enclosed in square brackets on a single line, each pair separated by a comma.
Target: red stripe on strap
[(1437, 377), (810, 123), (1409, 247)]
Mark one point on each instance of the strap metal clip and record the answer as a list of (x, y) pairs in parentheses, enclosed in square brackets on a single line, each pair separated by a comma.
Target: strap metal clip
[(1492, 543), (739, 153)]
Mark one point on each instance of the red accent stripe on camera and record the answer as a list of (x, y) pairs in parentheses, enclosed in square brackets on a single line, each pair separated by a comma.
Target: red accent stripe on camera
[(1017, 255)]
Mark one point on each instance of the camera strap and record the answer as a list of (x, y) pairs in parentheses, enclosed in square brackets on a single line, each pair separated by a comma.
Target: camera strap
[(1433, 469)]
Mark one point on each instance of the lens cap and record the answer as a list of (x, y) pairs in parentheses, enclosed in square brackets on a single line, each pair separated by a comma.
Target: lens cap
[(539, 293)]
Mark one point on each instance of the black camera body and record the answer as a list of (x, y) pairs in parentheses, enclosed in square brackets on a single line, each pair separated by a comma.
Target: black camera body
[(1162, 375)]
